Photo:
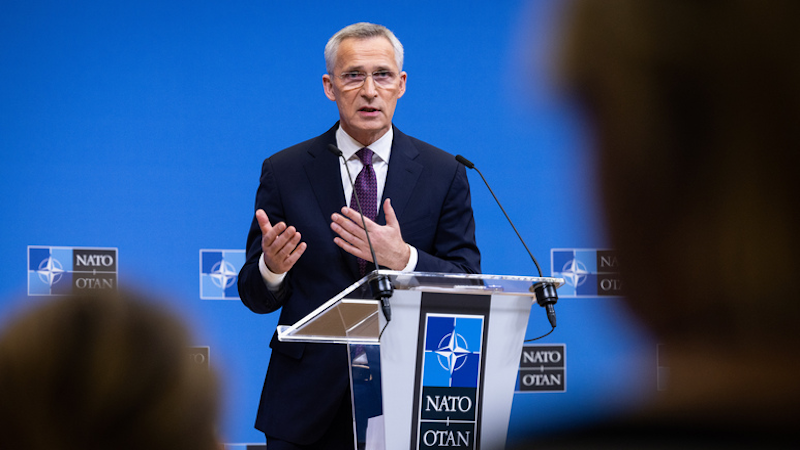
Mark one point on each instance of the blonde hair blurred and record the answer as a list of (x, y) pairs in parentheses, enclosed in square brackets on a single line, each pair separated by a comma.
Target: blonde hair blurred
[(100, 371)]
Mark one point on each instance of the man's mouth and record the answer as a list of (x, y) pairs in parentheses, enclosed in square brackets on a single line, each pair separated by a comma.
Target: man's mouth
[(368, 109)]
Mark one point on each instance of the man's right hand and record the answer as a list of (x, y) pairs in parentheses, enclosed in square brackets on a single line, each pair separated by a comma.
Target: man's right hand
[(281, 244)]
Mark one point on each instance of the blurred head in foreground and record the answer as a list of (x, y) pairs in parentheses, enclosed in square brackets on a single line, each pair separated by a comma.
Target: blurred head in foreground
[(101, 371), (694, 106)]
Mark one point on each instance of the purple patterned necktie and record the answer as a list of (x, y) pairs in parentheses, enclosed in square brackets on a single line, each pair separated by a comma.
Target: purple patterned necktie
[(366, 187)]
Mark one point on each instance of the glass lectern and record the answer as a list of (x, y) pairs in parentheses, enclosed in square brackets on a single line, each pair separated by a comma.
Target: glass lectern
[(442, 372)]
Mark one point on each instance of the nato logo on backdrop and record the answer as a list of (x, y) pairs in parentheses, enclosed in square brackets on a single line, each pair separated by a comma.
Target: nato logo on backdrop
[(66, 270), (587, 272), (543, 368), (219, 271)]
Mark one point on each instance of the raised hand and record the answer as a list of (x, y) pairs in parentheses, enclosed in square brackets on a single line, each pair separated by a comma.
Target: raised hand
[(281, 244), (387, 240)]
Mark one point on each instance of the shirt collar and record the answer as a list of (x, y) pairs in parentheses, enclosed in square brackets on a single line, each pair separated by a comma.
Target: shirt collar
[(349, 146)]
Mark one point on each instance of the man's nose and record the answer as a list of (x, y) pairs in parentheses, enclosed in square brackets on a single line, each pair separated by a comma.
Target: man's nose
[(369, 89)]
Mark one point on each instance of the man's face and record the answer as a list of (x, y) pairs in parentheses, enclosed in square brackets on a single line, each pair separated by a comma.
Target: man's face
[(365, 111)]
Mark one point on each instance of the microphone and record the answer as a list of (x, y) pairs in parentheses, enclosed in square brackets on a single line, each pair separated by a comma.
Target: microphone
[(381, 287), (546, 295)]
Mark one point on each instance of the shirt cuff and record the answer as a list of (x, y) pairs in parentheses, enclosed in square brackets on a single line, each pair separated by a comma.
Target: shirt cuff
[(412, 260), (272, 280)]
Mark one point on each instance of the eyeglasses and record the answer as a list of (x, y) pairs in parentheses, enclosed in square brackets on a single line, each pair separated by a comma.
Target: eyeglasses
[(355, 79)]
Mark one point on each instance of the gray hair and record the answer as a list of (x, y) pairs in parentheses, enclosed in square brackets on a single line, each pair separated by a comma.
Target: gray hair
[(361, 30)]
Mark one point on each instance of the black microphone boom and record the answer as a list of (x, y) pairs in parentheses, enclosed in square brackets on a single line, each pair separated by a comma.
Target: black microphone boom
[(546, 295), (381, 286)]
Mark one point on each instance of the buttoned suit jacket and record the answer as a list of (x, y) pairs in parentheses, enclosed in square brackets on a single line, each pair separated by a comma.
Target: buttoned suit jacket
[(301, 185)]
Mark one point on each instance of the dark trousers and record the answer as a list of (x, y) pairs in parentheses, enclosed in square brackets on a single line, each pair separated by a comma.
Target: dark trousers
[(339, 435)]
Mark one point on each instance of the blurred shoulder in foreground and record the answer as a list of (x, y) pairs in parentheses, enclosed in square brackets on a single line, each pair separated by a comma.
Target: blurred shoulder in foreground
[(694, 107)]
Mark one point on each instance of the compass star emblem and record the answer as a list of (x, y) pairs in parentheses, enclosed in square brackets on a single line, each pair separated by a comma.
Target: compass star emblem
[(223, 274), (452, 352), (574, 272), (50, 271)]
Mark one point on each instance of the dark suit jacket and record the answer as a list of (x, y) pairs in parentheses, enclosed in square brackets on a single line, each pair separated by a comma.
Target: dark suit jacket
[(302, 186)]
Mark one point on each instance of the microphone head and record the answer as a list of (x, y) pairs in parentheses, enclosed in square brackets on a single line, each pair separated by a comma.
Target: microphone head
[(334, 149), (547, 297), (545, 293), (465, 162)]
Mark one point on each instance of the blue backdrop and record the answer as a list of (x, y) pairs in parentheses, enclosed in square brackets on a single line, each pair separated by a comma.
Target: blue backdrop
[(142, 125)]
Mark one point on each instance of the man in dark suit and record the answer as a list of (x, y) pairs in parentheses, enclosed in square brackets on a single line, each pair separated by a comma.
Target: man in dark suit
[(306, 240)]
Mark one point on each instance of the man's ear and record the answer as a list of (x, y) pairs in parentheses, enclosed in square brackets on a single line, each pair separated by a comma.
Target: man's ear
[(403, 78), (327, 85)]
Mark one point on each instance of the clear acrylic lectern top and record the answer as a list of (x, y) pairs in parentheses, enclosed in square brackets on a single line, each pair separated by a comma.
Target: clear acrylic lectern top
[(358, 321)]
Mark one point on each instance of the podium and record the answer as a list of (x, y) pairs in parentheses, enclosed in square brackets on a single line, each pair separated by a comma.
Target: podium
[(442, 372)]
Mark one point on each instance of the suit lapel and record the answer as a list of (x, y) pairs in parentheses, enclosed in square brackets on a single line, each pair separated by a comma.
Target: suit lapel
[(402, 176), (322, 170)]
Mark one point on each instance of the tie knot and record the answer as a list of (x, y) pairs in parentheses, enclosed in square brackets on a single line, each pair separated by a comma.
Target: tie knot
[(365, 155)]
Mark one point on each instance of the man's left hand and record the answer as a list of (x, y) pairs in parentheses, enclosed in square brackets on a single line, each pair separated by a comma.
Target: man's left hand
[(390, 248)]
